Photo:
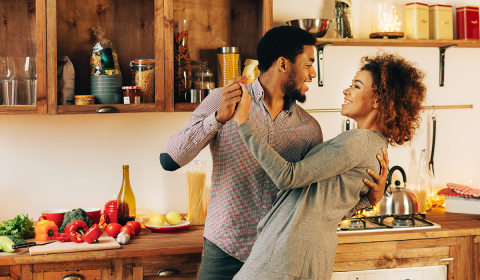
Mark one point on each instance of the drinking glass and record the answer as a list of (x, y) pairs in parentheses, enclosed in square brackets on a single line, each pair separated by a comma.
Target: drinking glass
[(29, 74), (7, 68), (8, 86)]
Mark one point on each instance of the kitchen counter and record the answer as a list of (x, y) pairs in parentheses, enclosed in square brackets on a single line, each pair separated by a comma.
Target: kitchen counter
[(430, 242)]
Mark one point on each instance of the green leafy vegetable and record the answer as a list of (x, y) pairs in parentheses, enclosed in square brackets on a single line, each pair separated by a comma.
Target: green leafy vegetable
[(20, 226)]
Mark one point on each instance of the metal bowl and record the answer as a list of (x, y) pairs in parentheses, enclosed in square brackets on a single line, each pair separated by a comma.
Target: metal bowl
[(316, 26)]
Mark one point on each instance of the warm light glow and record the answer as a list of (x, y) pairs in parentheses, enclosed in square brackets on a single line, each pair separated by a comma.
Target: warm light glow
[(390, 23)]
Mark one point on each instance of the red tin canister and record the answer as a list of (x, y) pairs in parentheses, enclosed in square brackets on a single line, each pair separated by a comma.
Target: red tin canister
[(111, 211), (467, 23)]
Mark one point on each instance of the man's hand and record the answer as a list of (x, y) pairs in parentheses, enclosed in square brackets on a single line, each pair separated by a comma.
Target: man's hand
[(231, 95), (378, 188)]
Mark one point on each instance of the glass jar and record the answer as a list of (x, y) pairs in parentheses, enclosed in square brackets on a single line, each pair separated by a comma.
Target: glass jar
[(143, 76), (386, 17), (343, 19), (203, 78), (84, 99), (132, 95), (183, 71), (425, 178), (228, 64), (196, 177)]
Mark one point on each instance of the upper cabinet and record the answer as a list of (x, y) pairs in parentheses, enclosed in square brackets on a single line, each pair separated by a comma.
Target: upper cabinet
[(22, 35)]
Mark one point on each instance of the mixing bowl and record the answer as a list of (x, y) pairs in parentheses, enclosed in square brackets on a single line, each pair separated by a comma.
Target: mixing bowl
[(316, 26)]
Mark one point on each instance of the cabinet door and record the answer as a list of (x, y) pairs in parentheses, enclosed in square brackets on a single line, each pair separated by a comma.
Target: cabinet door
[(95, 269), (134, 27), (23, 34), (170, 267), (476, 257)]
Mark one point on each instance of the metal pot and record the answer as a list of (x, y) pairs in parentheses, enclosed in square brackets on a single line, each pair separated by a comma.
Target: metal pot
[(397, 200)]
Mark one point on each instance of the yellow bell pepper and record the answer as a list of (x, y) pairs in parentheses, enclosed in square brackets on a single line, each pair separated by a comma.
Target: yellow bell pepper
[(46, 230)]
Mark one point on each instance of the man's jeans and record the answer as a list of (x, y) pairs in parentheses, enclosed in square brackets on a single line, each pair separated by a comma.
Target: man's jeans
[(216, 264)]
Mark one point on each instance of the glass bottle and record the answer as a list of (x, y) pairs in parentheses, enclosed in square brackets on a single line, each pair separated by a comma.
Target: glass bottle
[(425, 178), (343, 19), (203, 77), (183, 70), (196, 177), (126, 200), (386, 16)]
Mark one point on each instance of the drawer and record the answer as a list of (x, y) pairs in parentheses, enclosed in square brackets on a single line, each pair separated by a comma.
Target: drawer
[(179, 266)]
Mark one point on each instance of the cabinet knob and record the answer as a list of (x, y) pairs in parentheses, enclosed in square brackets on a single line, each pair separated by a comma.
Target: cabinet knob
[(107, 109), (168, 272), (73, 276)]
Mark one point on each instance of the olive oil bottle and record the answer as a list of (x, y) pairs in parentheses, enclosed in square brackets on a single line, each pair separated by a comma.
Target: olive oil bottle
[(126, 200)]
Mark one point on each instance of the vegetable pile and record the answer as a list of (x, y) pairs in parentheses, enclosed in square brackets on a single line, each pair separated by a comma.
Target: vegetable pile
[(74, 215), (20, 226)]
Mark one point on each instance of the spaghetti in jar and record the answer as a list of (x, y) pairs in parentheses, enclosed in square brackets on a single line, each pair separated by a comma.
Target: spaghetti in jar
[(143, 76)]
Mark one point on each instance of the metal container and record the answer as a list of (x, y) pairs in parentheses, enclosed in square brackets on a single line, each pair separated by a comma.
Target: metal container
[(229, 66), (316, 26), (417, 21), (441, 22), (468, 22), (397, 200)]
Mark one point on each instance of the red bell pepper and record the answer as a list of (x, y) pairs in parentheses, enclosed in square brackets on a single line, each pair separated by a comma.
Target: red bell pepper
[(93, 234), (64, 237), (77, 226), (76, 237)]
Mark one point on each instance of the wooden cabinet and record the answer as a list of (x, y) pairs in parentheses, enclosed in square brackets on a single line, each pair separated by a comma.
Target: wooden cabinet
[(22, 34)]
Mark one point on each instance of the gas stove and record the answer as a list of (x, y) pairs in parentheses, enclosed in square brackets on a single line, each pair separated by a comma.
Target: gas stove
[(362, 223)]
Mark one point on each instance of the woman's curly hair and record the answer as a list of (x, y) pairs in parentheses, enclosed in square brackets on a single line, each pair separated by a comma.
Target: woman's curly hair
[(398, 86)]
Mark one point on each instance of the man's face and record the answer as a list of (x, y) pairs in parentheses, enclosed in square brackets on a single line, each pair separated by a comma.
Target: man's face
[(300, 75)]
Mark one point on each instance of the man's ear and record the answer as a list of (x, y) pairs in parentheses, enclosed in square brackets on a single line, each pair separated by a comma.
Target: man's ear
[(282, 64)]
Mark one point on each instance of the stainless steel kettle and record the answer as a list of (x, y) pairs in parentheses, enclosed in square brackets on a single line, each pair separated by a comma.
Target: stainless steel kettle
[(397, 200)]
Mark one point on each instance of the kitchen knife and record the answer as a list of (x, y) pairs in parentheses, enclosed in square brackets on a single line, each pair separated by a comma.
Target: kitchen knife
[(29, 244)]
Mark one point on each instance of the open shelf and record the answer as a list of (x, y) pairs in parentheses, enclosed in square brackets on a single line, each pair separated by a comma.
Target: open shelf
[(185, 106), (398, 42), (18, 109), (92, 109)]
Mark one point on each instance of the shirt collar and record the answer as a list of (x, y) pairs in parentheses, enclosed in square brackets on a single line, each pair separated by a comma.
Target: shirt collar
[(258, 94)]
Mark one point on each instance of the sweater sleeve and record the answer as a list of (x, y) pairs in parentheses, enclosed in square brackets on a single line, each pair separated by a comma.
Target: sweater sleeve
[(324, 161)]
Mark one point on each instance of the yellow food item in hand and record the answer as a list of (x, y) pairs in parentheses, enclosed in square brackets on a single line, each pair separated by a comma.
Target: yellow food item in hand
[(158, 220), (251, 70), (173, 218)]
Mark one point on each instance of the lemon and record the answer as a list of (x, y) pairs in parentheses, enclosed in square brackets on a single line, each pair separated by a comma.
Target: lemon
[(158, 220), (173, 218)]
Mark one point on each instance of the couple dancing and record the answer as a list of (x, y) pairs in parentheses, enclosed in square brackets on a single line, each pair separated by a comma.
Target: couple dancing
[(272, 171)]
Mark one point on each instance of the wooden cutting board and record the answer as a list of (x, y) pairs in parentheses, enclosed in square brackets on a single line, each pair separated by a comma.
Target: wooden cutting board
[(104, 243)]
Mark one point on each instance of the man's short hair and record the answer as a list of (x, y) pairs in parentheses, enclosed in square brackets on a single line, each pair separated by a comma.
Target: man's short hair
[(282, 41)]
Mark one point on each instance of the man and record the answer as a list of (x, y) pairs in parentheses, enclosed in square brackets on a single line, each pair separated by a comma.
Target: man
[(241, 192)]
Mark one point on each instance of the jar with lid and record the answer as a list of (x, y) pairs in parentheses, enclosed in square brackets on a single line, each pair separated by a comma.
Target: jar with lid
[(343, 19), (132, 95), (203, 78), (143, 76), (228, 64)]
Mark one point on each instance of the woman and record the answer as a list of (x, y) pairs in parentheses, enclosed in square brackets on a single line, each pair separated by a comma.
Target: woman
[(298, 237)]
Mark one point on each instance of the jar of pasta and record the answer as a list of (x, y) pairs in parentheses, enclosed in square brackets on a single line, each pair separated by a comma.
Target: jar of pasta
[(228, 64), (143, 76)]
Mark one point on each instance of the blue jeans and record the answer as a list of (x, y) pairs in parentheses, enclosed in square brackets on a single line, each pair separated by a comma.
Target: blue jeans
[(216, 264)]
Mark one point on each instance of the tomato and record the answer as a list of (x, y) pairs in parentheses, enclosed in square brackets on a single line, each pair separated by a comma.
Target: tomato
[(129, 230), (113, 229), (136, 226)]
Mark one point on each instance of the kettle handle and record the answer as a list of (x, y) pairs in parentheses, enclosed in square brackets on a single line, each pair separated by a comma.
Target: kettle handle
[(390, 173)]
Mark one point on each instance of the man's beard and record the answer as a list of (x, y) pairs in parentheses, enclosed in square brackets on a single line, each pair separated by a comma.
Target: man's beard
[(291, 91)]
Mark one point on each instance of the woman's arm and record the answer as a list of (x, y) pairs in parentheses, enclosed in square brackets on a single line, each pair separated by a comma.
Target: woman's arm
[(324, 161)]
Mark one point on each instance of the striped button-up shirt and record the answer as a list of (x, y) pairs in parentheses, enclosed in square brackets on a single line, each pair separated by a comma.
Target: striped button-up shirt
[(242, 193)]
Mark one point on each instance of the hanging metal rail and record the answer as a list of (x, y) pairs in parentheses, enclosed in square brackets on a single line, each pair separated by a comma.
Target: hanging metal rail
[(433, 107)]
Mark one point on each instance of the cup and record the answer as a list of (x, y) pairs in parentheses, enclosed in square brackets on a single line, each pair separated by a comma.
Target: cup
[(93, 214), (196, 95), (31, 91), (55, 215), (10, 92)]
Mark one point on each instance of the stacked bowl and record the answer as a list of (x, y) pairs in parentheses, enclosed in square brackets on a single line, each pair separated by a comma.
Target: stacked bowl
[(107, 89)]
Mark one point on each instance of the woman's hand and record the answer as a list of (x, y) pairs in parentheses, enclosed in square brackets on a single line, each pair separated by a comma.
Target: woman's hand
[(378, 188), (241, 113)]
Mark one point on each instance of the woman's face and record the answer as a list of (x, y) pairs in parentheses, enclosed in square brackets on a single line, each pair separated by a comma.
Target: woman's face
[(358, 101)]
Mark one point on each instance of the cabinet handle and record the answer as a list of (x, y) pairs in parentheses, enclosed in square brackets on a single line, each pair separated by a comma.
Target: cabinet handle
[(107, 109), (450, 260), (168, 272), (73, 276)]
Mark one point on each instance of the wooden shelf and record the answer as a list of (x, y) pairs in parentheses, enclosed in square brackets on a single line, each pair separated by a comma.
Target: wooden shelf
[(185, 106), (92, 109), (398, 42), (18, 109)]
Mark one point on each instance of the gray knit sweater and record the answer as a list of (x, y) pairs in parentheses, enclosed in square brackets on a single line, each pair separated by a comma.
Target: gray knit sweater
[(298, 237)]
